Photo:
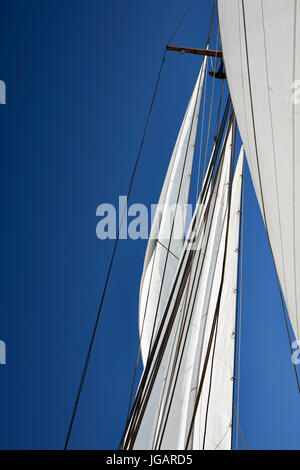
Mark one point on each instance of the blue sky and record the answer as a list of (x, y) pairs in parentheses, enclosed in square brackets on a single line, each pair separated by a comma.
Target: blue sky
[(80, 76)]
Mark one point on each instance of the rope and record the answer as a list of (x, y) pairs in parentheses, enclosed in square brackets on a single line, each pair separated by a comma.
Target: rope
[(240, 308), (118, 235), (190, 306), (233, 144), (240, 429), (154, 95), (201, 136), (210, 112), (153, 363), (213, 327)]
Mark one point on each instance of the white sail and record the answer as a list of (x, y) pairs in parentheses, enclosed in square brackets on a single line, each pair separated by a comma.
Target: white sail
[(261, 49), (215, 408), (199, 296), (167, 232), (148, 434), (169, 394)]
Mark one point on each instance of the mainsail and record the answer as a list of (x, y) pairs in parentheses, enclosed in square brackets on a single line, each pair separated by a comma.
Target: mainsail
[(167, 231), (260, 42), (187, 325)]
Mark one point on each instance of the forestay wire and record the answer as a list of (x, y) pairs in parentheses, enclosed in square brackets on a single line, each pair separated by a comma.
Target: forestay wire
[(119, 229)]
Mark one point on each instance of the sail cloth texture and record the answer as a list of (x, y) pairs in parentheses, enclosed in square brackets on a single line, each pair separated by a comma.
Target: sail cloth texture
[(167, 231), (163, 415), (261, 50), (215, 407)]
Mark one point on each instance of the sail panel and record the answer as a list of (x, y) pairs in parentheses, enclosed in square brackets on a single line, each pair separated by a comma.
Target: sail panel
[(260, 42), (215, 407), (164, 419), (167, 232), (199, 294)]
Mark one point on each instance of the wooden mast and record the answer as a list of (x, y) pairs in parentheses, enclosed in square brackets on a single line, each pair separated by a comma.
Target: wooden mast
[(194, 50)]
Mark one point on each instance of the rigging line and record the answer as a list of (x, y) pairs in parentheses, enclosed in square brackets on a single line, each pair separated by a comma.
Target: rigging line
[(240, 429), (210, 113), (211, 23), (118, 235), (194, 123), (164, 246), (177, 338), (210, 384), (204, 102), (287, 329), (236, 307), (240, 302), (168, 42), (113, 256), (140, 341), (192, 294), (180, 340), (233, 144), (181, 21), (212, 328), (186, 263), (201, 136), (294, 167), (216, 148), (153, 256), (150, 374), (112, 260), (173, 359), (260, 185), (219, 111)]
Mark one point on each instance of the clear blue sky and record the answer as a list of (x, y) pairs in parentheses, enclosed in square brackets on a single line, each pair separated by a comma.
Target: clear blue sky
[(80, 76)]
